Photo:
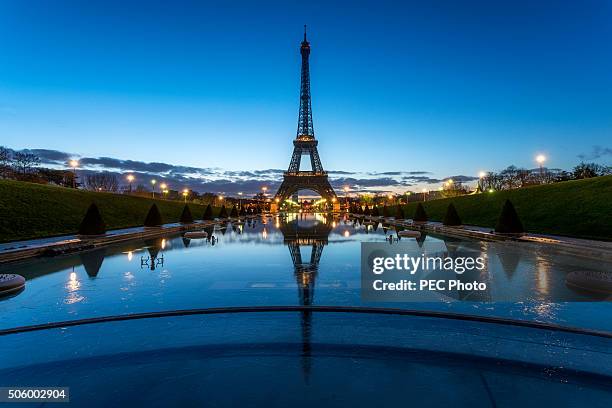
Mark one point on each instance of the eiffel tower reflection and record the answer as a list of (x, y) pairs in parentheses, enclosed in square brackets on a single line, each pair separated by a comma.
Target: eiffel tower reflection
[(306, 232)]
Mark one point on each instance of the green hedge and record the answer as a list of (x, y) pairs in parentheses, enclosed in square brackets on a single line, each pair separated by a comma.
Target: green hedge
[(577, 208), (30, 210)]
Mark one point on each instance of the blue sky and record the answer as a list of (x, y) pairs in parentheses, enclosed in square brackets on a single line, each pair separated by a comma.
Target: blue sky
[(444, 87)]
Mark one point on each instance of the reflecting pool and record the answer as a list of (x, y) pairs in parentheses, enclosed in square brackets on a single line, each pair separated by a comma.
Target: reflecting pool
[(305, 259)]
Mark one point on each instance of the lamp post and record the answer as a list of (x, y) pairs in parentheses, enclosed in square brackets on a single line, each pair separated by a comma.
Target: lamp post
[(264, 189), (163, 188), (424, 192), (153, 184), (185, 194), (74, 164), (240, 200), (130, 179), (346, 190), (481, 177), (540, 158)]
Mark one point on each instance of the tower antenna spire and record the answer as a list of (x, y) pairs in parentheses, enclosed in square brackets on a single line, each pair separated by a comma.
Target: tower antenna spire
[(304, 32)]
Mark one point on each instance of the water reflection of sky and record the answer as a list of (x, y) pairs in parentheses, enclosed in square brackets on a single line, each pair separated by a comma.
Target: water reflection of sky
[(303, 259)]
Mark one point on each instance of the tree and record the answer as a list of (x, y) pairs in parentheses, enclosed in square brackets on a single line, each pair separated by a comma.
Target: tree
[(102, 182), (208, 215), (509, 221), (92, 223), (59, 177), (451, 218), (375, 212), (385, 211), (588, 170), (154, 218), (367, 210), (420, 216), (24, 162), (5, 161), (186, 217), (223, 212), (234, 212), (399, 213)]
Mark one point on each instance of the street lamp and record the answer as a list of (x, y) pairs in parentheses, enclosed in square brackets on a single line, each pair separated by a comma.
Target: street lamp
[(540, 158), (130, 178), (264, 189), (74, 164), (240, 200), (153, 184), (481, 176), (185, 194), (346, 190), (424, 192)]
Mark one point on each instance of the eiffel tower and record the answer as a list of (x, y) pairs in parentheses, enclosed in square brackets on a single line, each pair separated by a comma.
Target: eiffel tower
[(305, 144)]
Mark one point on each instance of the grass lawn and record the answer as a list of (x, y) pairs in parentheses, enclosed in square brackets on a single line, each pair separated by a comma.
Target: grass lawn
[(30, 210), (578, 208)]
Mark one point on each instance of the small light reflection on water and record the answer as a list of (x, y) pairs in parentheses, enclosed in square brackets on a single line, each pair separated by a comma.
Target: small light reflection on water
[(72, 287), (542, 276)]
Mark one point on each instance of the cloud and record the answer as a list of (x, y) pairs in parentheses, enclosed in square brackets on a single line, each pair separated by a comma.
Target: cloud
[(463, 179), (218, 180), (50, 156), (597, 152)]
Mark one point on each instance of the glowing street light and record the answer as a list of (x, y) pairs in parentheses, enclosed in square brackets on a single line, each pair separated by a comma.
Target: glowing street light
[(74, 164), (153, 184), (346, 190), (240, 199), (130, 179), (482, 175), (185, 194), (424, 193), (540, 158)]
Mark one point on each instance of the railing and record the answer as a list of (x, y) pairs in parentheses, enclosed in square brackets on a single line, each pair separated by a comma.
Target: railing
[(305, 173)]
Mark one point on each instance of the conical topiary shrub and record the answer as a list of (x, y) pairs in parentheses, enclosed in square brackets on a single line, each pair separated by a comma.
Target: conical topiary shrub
[(208, 215), (154, 218), (367, 210), (375, 212), (243, 212), (420, 216), (509, 221), (385, 211), (234, 212), (92, 223), (223, 212), (451, 218), (399, 213), (186, 217)]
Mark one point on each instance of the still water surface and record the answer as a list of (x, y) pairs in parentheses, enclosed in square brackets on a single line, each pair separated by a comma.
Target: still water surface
[(305, 259)]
